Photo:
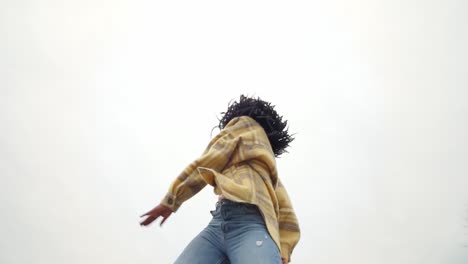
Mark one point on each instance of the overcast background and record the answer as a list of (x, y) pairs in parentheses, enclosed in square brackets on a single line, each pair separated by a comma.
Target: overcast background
[(103, 103)]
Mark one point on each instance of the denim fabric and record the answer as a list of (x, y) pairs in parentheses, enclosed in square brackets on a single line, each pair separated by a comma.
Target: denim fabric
[(237, 234)]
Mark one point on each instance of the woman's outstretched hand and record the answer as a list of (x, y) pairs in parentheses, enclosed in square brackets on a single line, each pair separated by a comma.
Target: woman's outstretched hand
[(156, 212)]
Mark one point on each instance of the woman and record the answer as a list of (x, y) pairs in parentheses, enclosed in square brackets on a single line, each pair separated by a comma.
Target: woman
[(254, 221)]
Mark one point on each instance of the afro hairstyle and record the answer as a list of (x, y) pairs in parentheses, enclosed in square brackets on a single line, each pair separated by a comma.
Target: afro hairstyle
[(265, 114)]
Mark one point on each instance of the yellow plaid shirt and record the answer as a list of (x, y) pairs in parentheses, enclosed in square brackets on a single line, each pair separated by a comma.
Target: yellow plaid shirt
[(239, 163)]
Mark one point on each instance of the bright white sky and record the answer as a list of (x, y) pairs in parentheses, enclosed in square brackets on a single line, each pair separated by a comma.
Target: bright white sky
[(103, 103)]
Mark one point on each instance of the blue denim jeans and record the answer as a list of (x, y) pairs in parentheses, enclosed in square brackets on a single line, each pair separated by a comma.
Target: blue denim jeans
[(237, 234)]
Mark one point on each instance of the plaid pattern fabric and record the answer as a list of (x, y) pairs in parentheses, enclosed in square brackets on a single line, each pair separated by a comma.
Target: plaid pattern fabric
[(239, 163)]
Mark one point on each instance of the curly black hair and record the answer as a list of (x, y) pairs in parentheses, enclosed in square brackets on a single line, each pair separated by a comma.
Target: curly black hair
[(265, 114)]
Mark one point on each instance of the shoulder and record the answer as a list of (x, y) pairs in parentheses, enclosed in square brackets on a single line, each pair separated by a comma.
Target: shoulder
[(242, 121), (243, 125)]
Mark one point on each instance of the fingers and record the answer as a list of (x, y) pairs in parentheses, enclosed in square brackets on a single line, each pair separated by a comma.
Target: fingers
[(144, 214), (164, 220), (147, 213), (151, 219), (148, 220), (155, 213)]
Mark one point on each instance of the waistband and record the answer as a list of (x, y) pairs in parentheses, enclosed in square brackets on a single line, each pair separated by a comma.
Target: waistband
[(225, 201)]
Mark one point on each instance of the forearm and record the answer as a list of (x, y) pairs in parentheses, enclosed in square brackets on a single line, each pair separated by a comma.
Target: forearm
[(179, 192), (190, 182)]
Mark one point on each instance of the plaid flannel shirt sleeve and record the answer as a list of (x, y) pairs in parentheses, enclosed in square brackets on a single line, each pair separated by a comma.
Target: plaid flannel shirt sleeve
[(288, 224), (189, 182)]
